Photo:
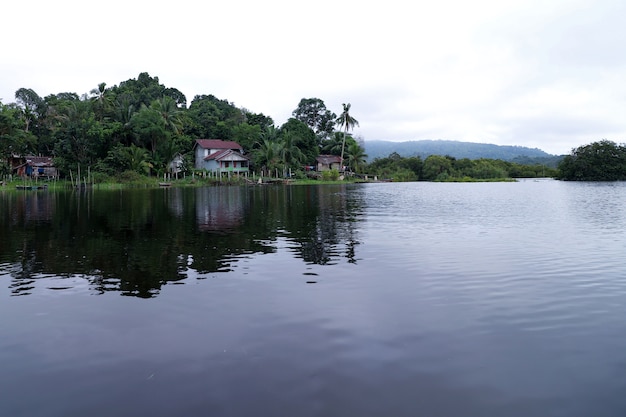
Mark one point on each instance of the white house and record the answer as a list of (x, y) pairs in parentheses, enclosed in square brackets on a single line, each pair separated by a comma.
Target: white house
[(220, 156), (176, 165)]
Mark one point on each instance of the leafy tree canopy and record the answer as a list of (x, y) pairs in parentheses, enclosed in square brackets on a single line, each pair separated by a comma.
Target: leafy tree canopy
[(313, 112), (597, 161), (145, 89), (213, 118), (301, 136), (258, 119)]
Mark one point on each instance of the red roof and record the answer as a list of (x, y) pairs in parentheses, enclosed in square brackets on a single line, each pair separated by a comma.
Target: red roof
[(218, 144)]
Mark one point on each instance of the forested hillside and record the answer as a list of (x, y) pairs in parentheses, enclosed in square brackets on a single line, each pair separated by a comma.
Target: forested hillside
[(424, 148)]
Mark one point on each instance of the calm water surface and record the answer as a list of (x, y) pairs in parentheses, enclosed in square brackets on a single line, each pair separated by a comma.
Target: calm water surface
[(412, 299)]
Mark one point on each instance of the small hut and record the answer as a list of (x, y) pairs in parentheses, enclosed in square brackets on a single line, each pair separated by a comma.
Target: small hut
[(33, 166), (328, 162)]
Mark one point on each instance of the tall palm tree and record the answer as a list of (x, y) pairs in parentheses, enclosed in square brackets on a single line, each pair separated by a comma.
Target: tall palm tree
[(348, 122), (102, 100)]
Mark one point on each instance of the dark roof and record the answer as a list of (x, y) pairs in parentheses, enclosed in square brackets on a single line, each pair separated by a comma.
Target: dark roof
[(218, 144), (222, 154), (39, 160), (328, 159)]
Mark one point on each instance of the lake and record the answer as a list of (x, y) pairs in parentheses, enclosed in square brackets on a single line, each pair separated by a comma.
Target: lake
[(393, 299)]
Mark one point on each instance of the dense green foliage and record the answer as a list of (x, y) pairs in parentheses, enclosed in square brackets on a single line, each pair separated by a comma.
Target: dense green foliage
[(141, 125), (313, 112), (598, 161), (447, 168)]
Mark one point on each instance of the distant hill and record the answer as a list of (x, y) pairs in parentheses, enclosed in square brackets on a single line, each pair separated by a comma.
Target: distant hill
[(424, 148)]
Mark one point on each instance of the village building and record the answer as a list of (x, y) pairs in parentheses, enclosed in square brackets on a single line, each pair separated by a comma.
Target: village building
[(328, 162), (33, 166), (219, 156), (176, 164)]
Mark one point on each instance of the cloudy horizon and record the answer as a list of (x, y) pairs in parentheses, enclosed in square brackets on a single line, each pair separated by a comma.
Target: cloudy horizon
[(524, 73)]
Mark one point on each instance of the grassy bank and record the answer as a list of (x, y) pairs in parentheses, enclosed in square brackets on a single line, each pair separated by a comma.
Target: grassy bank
[(141, 181)]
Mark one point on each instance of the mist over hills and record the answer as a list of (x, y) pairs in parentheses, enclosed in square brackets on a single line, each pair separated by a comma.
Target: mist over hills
[(424, 148)]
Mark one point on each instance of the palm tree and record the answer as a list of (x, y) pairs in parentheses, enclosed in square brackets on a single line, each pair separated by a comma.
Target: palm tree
[(356, 157), (268, 154), (270, 133), (137, 159), (102, 101), (169, 111), (123, 113), (332, 146), (290, 154), (348, 122)]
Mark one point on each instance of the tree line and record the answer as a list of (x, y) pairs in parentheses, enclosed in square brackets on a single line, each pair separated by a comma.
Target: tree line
[(140, 125), (448, 168), (598, 161)]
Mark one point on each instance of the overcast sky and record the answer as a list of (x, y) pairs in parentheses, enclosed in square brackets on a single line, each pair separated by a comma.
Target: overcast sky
[(549, 74)]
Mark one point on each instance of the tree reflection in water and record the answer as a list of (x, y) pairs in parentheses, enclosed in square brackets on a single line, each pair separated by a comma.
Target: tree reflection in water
[(134, 241)]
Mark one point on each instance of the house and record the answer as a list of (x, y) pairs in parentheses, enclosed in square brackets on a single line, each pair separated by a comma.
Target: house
[(328, 162), (33, 166), (176, 164), (219, 156)]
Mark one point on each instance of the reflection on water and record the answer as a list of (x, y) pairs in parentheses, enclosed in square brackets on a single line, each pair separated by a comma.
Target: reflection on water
[(414, 299), (220, 211), (134, 241)]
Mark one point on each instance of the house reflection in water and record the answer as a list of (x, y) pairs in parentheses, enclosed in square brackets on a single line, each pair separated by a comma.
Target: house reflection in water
[(31, 206), (220, 208)]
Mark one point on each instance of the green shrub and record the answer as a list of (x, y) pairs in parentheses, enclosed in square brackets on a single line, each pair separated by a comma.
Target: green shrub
[(300, 175), (100, 178), (403, 175), (130, 177), (331, 175)]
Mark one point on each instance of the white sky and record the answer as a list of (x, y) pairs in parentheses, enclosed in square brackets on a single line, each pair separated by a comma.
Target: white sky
[(549, 74)]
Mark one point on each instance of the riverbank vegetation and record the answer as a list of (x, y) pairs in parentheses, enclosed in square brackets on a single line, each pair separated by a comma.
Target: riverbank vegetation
[(130, 133), (598, 161), (447, 168), (141, 126)]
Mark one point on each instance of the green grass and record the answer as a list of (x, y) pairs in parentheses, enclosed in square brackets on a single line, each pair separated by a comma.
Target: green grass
[(141, 181)]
